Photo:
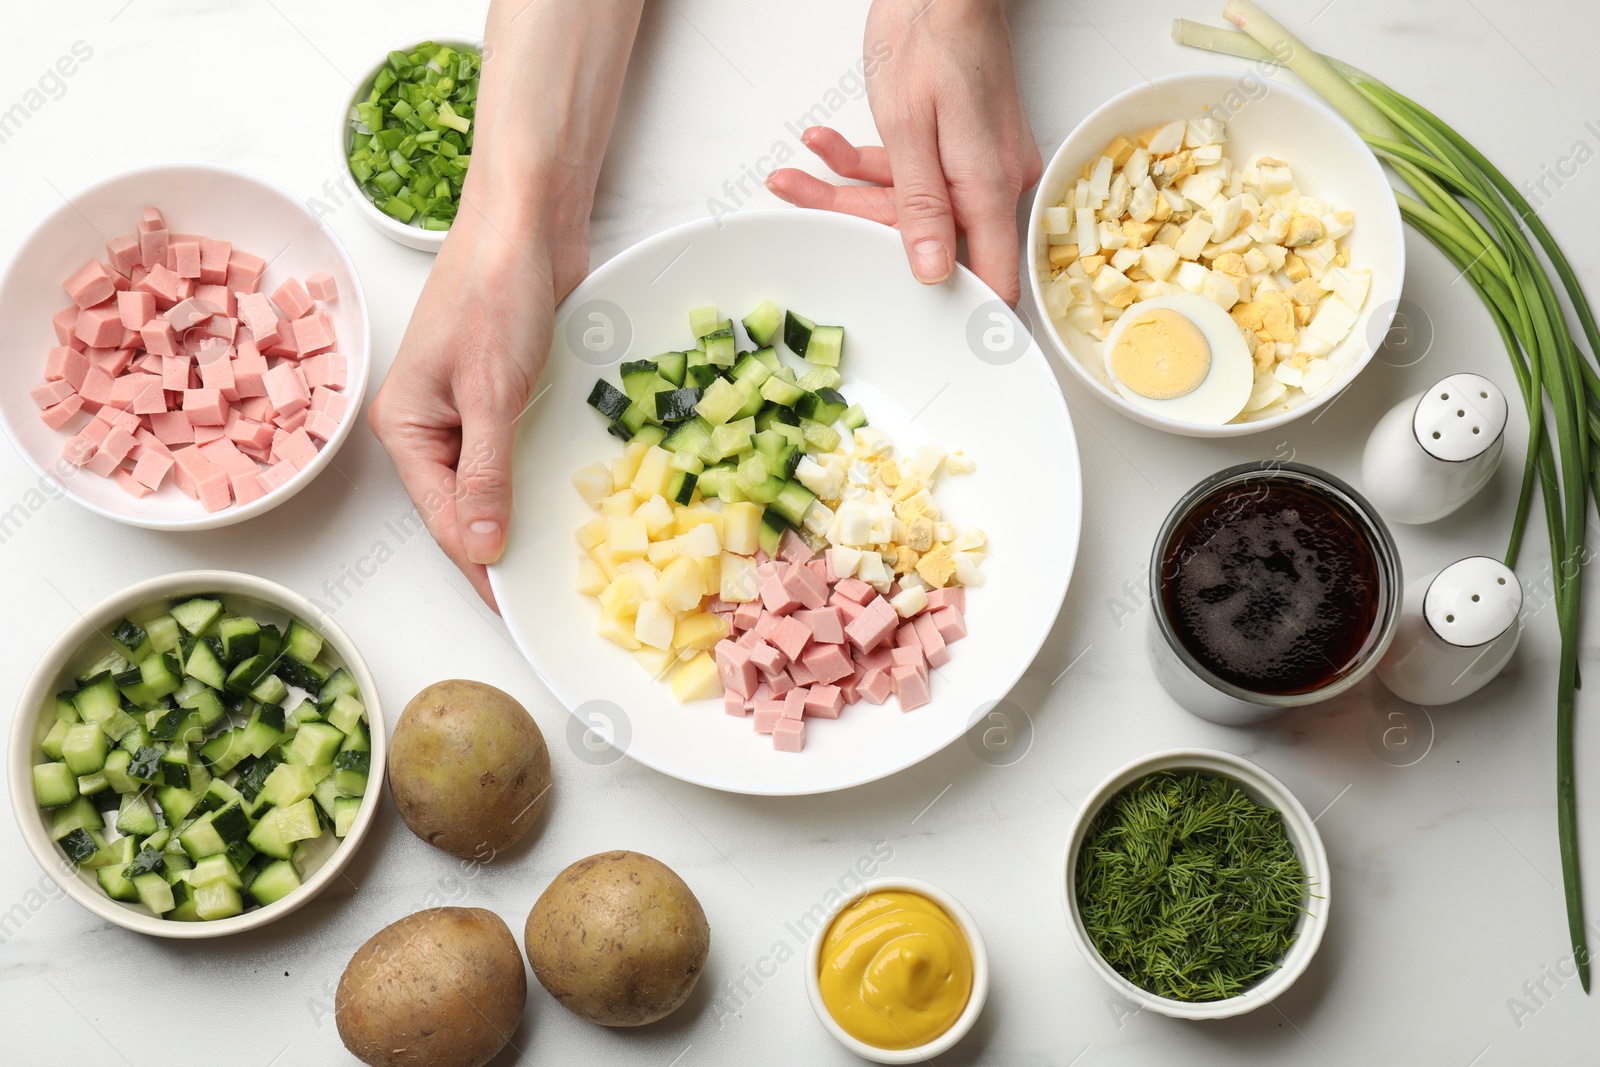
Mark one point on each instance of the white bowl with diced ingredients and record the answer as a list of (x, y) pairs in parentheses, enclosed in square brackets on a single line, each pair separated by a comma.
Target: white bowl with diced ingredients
[(180, 776), (1222, 192), (189, 397)]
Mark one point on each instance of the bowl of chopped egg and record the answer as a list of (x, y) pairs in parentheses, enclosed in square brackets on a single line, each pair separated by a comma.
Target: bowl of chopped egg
[(1215, 254)]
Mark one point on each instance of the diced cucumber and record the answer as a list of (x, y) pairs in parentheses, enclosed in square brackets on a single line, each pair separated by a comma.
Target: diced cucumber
[(278, 830), (650, 435), (116, 771), (204, 665), (197, 615), (345, 810), (84, 748), (672, 366), (241, 639), (820, 437), (54, 785), (79, 813), (819, 378), (111, 878), (136, 818), (825, 346), (270, 690), (225, 751), (153, 890), (289, 783), (158, 840), (231, 823), (200, 838), (217, 900), (301, 642), (350, 773), (797, 332), (219, 794), (763, 323), (608, 400), (173, 866), (51, 745), (175, 766), (632, 422), (315, 742), (274, 882), (340, 681), (113, 662), (131, 639), (308, 676), (146, 764), (98, 699), (265, 729), (750, 369), (636, 376), (249, 673), (704, 320), (326, 792), (771, 534), (254, 776), (793, 502), (163, 631), (780, 392), (721, 350), (680, 488), (675, 405), (81, 845), (176, 803), (207, 707), (854, 417), (90, 785), (701, 374), (824, 406), (212, 869), (719, 402), (137, 737)]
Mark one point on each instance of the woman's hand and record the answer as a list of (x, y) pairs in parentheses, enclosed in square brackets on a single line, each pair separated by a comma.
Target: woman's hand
[(957, 151), (471, 356), (464, 374)]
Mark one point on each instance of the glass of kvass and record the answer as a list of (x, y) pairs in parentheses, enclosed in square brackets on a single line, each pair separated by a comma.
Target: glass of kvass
[(1273, 585)]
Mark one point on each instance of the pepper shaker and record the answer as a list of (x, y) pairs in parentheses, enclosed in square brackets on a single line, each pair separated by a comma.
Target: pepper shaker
[(1458, 629), (1432, 452)]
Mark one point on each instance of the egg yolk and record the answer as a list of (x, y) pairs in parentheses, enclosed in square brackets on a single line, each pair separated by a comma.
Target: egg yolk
[(895, 970), (1161, 355)]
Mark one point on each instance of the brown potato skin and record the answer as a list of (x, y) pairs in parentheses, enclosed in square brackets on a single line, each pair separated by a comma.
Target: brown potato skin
[(618, 939), (440, 988), (468, 768)]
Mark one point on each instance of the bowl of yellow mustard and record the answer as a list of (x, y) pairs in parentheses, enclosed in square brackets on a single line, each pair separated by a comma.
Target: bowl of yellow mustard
[(898, 973)]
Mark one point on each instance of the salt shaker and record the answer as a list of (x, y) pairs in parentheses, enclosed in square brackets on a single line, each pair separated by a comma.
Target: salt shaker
[(1458, 628), (1432, 452)]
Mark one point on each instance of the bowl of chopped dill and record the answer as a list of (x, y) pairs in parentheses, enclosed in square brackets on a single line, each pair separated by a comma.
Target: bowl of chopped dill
[(1196, 884)]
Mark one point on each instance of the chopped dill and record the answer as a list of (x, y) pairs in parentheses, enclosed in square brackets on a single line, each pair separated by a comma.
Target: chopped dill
[(1188, 888)]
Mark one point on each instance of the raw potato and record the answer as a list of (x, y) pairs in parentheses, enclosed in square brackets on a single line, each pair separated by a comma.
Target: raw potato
[(619, 939), (440, 988), (468, 768)]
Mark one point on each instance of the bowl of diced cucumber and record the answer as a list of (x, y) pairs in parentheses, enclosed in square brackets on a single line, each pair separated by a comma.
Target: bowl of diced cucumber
[(198, 755)]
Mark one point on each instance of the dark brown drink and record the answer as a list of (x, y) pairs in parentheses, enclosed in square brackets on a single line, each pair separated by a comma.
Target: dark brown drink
[(1272, 584)]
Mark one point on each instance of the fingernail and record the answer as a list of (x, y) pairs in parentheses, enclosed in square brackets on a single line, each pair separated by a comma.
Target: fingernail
[(929, 261), (777, 192), (482, 541)]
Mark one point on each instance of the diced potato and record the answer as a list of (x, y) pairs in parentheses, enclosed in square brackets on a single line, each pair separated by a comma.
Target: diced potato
[(621, 599), (663, 552), (592, 532), (699, 631), (628, 537), (594, 483), (687, 518), (710, 570), (655, 469), (696, 679), (699, 542), (617, 630), (625, 466), (591, 579), (737, 583), (619, 503), (601, 554), (657, 516), (654, 626), (741, 528), (682, 585), (655, 661)]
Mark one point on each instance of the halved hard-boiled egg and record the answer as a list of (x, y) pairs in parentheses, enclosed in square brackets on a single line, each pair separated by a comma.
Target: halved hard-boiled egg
[(1181, 356)]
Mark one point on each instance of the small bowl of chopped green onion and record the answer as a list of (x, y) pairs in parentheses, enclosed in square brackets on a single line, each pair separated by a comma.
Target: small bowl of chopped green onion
[(198, 755), (405, 136), (1196, 884)]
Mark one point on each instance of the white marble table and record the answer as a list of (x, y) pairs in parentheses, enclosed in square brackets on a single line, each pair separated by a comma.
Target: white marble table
[(1447, 913)]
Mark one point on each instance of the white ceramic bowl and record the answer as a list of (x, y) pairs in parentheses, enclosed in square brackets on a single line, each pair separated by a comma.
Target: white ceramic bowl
[(1264, 789), (408, 234), (256, 216), (1329, 161), (980, 976), (76, 648), (916, 358)]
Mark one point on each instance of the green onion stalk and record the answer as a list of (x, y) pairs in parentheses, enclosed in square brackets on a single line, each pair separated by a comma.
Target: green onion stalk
[(1494, 249)]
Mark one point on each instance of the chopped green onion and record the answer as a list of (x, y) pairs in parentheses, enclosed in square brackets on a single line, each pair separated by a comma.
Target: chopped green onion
[(411, 139)]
